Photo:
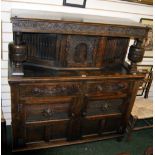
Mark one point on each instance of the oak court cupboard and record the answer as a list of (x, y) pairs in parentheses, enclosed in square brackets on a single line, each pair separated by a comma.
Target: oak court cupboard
[(69, 80)]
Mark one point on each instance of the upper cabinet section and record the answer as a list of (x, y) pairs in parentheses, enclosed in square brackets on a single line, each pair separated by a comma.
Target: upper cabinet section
[(65, 41)]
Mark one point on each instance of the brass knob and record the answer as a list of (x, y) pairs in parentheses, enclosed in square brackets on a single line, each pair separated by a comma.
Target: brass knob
[(36, 91), (48, 112), (99, 88), (105, 106), (84, 113), (73, 114)]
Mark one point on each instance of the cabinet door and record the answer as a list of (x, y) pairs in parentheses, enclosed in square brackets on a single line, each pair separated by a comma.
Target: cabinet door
[(102, 116)]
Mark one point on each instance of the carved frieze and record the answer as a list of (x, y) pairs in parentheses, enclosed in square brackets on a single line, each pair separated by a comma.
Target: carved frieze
[(25, 25), (107, 87), (53, 90)]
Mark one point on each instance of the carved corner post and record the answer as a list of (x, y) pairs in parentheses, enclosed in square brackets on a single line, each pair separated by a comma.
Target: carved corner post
[(135, 55), (17, 54)]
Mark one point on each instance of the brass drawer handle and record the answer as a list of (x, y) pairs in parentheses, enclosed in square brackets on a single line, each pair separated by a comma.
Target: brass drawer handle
[(48, 112), (73, 114), (84, 113), (105, 107), (99, 88)]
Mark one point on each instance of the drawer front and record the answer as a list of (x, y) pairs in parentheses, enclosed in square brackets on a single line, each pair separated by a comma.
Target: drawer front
[(46, 90), (107, 87), (103, 107), (45, 112)]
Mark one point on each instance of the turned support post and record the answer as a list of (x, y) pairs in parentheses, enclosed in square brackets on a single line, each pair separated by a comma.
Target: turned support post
[(136, 53), (17, 54)]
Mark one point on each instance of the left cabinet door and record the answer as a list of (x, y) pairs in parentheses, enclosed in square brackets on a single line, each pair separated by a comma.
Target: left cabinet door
[(46, 119)]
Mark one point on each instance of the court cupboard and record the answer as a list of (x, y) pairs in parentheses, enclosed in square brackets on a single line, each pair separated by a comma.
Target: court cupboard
[(69, 80)]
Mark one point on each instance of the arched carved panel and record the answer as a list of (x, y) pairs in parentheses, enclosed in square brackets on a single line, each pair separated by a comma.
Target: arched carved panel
[(80, 50), (80, 54)]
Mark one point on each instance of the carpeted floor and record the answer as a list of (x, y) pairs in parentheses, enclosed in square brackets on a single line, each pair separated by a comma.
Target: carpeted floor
[(140, 141)]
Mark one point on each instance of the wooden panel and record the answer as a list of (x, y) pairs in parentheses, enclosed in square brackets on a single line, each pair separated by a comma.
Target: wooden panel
[(40, 46), (100, 126), (115, 51), (90, 126), (35, 133), (112, 124)]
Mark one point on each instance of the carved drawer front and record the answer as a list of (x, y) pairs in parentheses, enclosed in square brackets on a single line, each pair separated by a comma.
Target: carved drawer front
[(103, 107), (45, 90), (44, 112), (107, 87)]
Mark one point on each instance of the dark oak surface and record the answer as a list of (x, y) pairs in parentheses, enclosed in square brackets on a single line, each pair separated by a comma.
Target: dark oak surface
[(69, 80)]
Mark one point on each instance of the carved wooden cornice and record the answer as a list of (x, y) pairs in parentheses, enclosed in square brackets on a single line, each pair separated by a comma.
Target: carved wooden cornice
[(68, 27)]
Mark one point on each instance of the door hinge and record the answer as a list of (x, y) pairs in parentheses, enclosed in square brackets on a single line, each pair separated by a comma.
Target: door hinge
[(20, 107)]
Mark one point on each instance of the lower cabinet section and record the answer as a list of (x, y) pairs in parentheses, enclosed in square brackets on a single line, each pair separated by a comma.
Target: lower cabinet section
[(51, 120)]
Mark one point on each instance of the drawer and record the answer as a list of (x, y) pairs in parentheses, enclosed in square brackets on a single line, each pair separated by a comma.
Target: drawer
[(47, 111), (104, 107), (107, 87), (46, 89)]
